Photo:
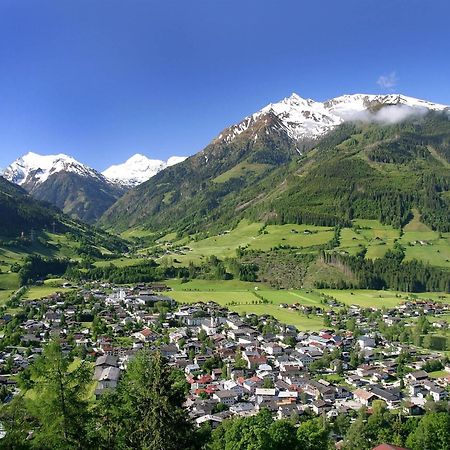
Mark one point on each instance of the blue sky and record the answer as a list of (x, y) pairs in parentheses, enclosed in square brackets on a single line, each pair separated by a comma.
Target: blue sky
[(104, 79)]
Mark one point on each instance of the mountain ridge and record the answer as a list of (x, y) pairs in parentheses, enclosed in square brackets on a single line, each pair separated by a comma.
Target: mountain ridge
[(227, 177), (77, 189)]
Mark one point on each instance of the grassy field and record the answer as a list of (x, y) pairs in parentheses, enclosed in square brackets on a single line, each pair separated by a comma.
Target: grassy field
[(120, 262), (37, 292), (252, 236), (243, 169), (9, 282), (4, 295), (422, 243), (373, 235), (371, 298), (419, 241), (438, 374), (240, 297)]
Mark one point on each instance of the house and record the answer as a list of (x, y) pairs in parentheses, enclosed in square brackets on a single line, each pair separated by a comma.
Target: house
[(106, 361), (319, 407), (411, 409), (272, 348), (390, 397), (366, 342), (418, 375), (107, 378), (435, 391), (146, 335), (211, 326), (234, 387), (226, 397), (319, 390), (364, 397)]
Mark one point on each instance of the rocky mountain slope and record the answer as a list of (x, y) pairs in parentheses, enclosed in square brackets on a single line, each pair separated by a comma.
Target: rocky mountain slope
[(78, 190)]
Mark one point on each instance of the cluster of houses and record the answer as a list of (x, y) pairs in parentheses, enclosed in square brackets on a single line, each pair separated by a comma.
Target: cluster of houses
[(235, 365)]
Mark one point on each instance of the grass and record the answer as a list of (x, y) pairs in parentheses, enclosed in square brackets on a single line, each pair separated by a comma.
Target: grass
[(368, 298), (293, 235), (419, 241), (9, 281), (4, 295), (243, 169), (240, 296), (378, 238), (37, 292), (120, 262), (213, 285), (136, 233), (252, 236), (438, 374)]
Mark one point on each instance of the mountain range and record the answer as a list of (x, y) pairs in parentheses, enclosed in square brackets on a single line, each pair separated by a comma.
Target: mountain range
[(298, 160), (77, 189)]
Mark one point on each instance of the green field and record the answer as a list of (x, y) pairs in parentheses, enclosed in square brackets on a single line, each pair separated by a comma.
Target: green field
[(243, 169), (120, 262), (240, 297), (37, 292), (368, 298), (419, 241), (252, 236), (373, 235), (9, 282), (4, 295)]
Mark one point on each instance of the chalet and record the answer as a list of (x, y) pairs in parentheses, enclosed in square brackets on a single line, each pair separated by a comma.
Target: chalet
[(364, 397), (226, 397)]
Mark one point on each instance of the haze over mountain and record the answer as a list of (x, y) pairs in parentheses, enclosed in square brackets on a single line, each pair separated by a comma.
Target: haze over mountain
[(250, 166)]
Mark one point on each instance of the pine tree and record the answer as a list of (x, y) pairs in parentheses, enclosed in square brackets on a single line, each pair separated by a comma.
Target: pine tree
[(60, 403), (148, 407)]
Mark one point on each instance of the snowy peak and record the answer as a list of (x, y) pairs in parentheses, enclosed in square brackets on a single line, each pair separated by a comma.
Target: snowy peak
[(310, 119), (34, 168), (137, 169)]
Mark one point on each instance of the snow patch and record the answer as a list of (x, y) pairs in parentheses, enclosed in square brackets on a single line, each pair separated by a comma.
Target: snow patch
[(138, 169)]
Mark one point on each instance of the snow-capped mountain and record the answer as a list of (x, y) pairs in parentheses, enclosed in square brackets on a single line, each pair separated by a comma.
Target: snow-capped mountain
[(138, 169), (310, 119), (36, 169), (61, 180)]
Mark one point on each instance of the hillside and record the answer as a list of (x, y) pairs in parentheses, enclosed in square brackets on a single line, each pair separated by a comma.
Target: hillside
[(191, 193), (19, 212), (30, 227)]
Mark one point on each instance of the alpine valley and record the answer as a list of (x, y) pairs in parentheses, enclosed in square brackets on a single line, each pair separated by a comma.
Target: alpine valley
[(350, 192), (297, 266)]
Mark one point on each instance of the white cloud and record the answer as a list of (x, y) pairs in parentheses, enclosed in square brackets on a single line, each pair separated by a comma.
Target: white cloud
[(388, 81), (389, 114)]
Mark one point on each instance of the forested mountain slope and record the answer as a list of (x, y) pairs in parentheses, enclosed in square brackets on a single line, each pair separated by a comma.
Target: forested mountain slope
[(359, 170)]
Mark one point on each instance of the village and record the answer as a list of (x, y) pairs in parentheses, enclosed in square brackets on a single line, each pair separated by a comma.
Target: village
[(236, 365)]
